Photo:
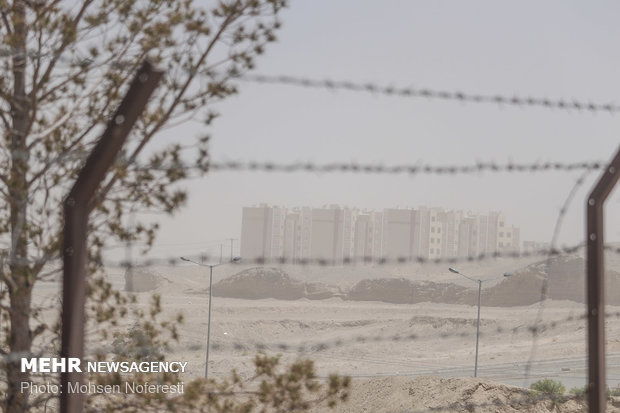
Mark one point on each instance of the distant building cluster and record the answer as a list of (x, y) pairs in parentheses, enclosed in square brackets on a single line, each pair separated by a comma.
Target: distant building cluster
[(337, 233)]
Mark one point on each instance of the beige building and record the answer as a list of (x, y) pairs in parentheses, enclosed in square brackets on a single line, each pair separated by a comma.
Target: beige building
[(332, 234), (487, 234), (398, 233), (262, 232), (368, 235), (297, 233), (336, 234)]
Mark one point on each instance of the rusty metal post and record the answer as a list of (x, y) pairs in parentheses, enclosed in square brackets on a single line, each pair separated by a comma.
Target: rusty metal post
[(77, 207), (595, 285)]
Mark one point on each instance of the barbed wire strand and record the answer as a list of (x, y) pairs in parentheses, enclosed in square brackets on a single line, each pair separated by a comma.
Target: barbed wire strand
[(544, 288), (344, 167), (368, 260), (322, 346), (417, 93), (409, 169), (318, 346), (174, 261)]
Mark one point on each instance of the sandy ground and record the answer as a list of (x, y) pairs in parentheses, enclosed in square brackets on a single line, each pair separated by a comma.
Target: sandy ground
[(391, 350)]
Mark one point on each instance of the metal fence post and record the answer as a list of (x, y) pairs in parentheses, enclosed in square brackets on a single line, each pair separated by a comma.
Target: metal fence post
[(595, 285), (76, 211)]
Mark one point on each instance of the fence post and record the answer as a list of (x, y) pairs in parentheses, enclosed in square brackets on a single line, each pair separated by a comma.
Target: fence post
[(76, 211), (595, 285)]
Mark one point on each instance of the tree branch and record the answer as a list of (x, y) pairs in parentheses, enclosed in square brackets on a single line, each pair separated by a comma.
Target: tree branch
[(175, 102), (56, 55), (5, 22)]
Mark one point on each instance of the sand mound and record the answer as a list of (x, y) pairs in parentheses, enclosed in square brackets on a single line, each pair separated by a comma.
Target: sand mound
[(566, 281), (142, 279), (403, 291), (424, 394), (565, 275), (258, 283)]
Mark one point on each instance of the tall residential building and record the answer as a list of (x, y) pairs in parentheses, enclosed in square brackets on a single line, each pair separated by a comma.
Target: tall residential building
[(297, 233), (428, 232), (487, 234), (262, 232), (332, 236), (467, 244), (368, 235), (336, 234), (451, 236), (398, 233)]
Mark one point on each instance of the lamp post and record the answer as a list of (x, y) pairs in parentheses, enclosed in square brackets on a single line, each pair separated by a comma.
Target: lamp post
[(211, 266), (479, 281)]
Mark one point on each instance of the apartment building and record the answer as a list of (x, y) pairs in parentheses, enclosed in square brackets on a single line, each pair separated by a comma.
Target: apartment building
[(297, 233), (262, 232), (398, 234), (336, 234)]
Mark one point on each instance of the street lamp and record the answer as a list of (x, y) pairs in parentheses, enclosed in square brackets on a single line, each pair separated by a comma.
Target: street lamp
[(506, 274), (233, 260)]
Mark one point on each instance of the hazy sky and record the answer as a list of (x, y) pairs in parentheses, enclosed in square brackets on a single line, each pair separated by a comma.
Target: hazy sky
[(554, 49)]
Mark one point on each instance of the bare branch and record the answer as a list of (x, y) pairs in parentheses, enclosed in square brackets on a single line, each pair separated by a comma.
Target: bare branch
[(5, 22), (58, 52), (175, 102)]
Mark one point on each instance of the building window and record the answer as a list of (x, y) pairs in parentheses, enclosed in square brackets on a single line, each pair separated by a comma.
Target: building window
[(432, 250), (501, 244), (501, 224), (501, 234), (433, 219), (509, 234), (438, 229), (433, 229)]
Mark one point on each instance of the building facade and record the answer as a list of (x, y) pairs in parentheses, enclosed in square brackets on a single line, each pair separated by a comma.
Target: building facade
[(337, 234)]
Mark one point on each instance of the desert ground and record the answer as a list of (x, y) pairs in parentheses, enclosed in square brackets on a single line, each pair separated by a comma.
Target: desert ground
[(392, 350)]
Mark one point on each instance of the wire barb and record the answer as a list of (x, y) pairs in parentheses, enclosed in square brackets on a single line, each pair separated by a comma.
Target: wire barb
[(497, 99)]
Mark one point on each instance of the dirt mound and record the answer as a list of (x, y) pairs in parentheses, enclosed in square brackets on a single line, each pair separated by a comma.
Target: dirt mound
[(565, 276), (403, 291), (142, 279), (566, 281), (257, 283), (423, 394)]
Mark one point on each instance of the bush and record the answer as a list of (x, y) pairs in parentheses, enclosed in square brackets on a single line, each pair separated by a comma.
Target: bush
[(548, 387), (580, 392)]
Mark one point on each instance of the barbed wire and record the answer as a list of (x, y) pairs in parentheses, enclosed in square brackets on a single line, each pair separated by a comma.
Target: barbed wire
[(544, 288), (319, 346), (410, 92), (334, 343), (344, 167), (410, 169), (367, 260), (174, 261)]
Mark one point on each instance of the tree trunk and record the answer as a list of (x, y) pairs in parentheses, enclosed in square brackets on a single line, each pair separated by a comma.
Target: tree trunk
[(20, 289)]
